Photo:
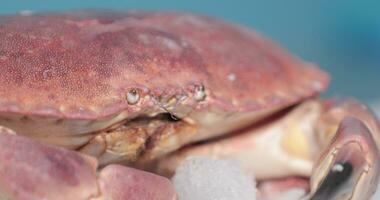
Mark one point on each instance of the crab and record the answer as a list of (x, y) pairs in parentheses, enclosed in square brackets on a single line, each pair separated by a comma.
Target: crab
[(86, 91)]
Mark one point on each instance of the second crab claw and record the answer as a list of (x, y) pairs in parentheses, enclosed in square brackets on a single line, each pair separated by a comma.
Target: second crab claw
[(346, 168), (333, 143), (30, 170), (349, 163)]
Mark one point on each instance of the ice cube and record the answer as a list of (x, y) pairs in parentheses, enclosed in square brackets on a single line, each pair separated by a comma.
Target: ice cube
[(204, 178)]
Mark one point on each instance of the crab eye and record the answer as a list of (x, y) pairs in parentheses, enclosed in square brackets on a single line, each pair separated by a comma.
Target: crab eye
[(337, 177), (199, 93), (132, 96)]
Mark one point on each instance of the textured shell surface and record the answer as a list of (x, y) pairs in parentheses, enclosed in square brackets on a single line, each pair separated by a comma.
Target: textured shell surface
[(84, 65)]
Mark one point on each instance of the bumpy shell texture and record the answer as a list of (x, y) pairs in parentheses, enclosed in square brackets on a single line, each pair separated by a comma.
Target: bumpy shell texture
[(82, 65)]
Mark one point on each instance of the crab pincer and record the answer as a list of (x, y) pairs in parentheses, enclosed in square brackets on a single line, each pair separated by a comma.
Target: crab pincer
[(349, 163)]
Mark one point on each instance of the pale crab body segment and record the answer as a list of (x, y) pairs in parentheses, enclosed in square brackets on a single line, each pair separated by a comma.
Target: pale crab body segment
[(134, 87)]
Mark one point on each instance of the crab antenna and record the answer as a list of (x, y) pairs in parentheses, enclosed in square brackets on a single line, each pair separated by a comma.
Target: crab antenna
[(163, 107)]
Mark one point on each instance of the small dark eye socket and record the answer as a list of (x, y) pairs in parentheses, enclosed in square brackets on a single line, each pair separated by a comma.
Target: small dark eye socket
[(338, 175), (171, 117)]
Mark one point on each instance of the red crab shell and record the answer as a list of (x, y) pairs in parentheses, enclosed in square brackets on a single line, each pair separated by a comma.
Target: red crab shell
[(81, 65)]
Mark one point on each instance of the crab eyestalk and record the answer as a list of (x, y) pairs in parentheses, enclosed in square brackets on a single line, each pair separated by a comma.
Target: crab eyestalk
[(347, 168)]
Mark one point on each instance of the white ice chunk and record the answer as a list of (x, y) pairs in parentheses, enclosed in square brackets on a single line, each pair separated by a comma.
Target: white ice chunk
[(203, 178)]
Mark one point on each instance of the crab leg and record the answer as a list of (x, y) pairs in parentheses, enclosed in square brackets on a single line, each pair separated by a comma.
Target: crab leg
[(30, 170), (279, 189), (335, 143)]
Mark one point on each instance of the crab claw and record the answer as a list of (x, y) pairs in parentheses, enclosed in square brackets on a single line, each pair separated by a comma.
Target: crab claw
[(122, 183), (348, 167), (349, 164), (30, 170)]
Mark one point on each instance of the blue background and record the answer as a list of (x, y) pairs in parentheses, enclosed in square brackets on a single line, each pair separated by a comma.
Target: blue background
[(342, 36)]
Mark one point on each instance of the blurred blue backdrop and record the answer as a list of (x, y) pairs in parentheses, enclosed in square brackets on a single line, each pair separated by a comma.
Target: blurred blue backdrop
[(342, 36)]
